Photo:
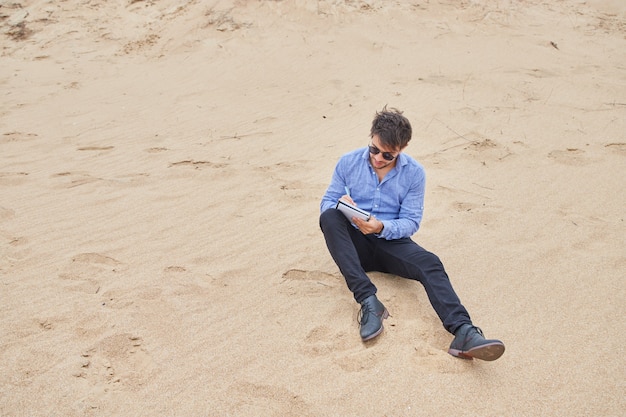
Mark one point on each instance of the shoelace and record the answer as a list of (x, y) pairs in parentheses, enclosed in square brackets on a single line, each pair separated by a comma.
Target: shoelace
[(362, 314)]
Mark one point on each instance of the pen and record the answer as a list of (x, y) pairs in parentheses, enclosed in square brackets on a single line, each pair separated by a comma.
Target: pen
[(347, 190)]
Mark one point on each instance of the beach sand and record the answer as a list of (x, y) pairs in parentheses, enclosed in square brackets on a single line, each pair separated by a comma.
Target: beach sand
[(161, 167)]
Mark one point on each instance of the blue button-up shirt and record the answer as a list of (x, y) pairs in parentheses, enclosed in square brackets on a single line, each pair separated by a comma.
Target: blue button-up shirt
[(397, 200)]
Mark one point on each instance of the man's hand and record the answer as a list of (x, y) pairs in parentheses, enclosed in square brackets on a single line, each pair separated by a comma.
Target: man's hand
[(373, 225)]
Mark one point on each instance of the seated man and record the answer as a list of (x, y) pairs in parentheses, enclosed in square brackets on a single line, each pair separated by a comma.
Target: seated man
[(390, 185)]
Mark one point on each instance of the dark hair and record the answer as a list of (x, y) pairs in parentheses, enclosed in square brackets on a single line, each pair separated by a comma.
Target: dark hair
[(393, 129)]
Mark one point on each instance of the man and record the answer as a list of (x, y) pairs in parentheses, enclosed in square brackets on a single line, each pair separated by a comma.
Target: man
[(389, 184)]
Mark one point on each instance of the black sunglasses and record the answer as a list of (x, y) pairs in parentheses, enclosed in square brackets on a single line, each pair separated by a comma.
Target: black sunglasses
[(388, 156)]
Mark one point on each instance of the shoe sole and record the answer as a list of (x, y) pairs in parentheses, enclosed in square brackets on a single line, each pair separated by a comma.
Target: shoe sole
[(379, 331), (487, 352)]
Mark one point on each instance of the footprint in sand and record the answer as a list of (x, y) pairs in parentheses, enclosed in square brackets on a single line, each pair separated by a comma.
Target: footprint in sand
[(283, 174), (487, 150), (18, 248), (88, 271), (322, 340), (360, 360), (297, 281), (95, 148), (463, 200), (284, 401), (117, 299), (75, 179), (569, 156), (95, 258), (198, 164), (117, 361), (616, 147)]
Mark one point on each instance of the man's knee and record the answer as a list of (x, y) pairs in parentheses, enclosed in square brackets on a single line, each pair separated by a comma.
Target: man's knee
[(424, 260), (432, 258), (330, 217)]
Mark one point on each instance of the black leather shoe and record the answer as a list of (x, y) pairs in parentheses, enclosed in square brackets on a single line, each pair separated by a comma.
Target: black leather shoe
[(372, 314), (470, 343)]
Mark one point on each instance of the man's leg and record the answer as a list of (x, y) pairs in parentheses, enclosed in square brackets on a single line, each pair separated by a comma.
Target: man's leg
[(347, 246), (407, 259), (352, 252)]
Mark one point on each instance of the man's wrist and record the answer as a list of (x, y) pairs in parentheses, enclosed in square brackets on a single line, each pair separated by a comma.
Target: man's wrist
[(382, 227)]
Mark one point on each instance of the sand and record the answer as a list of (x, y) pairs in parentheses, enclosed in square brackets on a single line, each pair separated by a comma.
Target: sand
[(161, 167)]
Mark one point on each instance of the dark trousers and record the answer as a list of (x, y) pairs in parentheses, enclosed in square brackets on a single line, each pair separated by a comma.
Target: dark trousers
[(356, 253)]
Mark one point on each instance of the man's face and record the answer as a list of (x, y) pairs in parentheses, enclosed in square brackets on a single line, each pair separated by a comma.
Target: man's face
[(378, 160)]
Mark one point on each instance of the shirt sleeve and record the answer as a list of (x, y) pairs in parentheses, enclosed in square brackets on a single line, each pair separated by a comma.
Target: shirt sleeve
[(335, 190), (411, 211)]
